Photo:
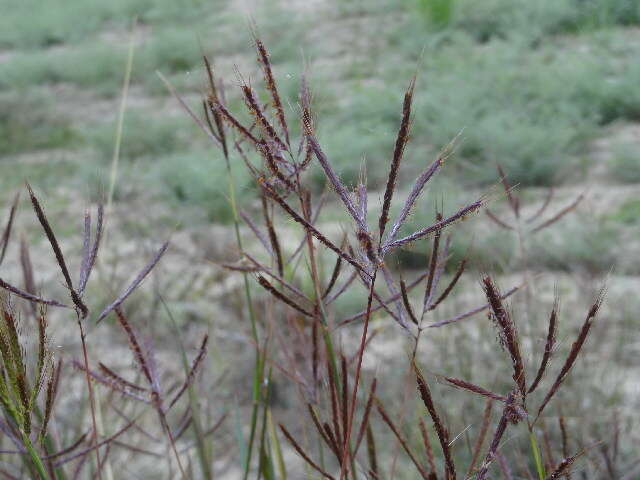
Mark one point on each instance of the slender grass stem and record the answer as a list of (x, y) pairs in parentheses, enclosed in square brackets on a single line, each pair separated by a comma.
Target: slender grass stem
[(35, 458), (536, 456)]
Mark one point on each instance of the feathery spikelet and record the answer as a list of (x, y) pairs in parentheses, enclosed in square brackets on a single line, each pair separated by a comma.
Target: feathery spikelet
[(418, 187), (52, 391), (441, 430), (264, 283), (475, 389), (401, 141), (445, 293), (576, 347), (509, 333), (195, 366), (436, 227), (6, 235), (407, 304), (134, 284), (263, 59), (42, 218), (303, 454), (549, 345)]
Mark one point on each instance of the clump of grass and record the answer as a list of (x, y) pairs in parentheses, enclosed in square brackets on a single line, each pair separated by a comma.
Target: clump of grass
[(625, 164), (28, 124)]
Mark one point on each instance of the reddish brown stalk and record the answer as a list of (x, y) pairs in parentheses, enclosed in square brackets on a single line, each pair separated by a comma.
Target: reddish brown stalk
[(264, 283), (509, 333), (428, 450), (559, 215), (302, 453), (495, 219), (57, 252), (310, 228), (136, 349), (356, 382), (337, 184), (267, 271), (575, 350), (445, 293), (333, 442), (136, 282), (85, 357), (263, 59), (111, 384), (188, 110), (231, 120), (365, 416), (343, 288), (259, 234), (441, 430), (543, 207), (472, 312), (475, 389), (495, 442), (125, 384), (402, 441), (314, 352), (549, 345), (30, 297), (70, 448), (4, 243), (384, 302), (436, 227), (326, 434), (513, 200), (94, 447), (401, 141), (484, 428)]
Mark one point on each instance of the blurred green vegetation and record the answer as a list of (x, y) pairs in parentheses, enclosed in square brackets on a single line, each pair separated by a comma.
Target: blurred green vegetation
[(530, 85)]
